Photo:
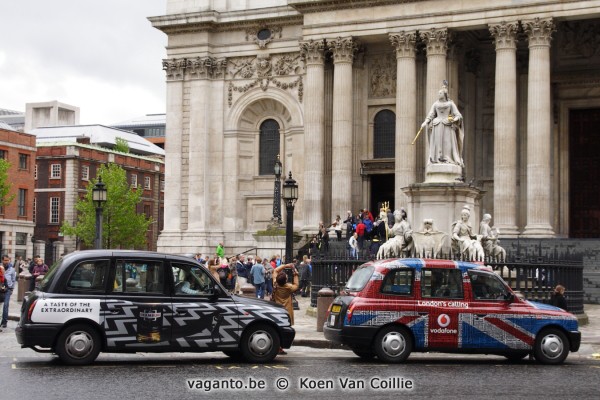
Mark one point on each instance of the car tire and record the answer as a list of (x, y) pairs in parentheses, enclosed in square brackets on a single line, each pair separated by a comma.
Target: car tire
[(516, 356), (78, 344), (551, 346), (260, 343), (393, 344), (364, 354)]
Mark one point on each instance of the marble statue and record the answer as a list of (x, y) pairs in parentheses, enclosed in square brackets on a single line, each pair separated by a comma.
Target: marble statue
[(401, 243), (429, 242), (444, 127), (489, 239), (464, 242)]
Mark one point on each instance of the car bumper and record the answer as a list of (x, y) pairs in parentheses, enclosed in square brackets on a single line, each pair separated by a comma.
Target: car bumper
[(574, 340), (287, 336), (30, 335), (353, 336)]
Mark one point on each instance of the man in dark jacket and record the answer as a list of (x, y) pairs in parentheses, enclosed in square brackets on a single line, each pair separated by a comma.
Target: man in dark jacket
[(349, 221), (305, 275)]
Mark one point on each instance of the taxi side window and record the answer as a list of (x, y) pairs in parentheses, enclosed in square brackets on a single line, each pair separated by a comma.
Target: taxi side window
[(398, 282), (191, 280), (441, 283), (89, 276), (132, 276), (487, 286)]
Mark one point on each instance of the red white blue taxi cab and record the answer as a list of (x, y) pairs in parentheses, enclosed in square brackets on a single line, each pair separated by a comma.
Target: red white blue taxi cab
[(390, 308)]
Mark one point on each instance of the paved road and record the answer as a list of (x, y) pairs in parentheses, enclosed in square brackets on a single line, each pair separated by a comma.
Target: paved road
[(27, 375)]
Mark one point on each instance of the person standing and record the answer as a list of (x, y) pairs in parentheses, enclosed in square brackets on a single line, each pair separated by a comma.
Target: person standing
[(10, 278), (360, 230), (558, 298), (337, 226), (268, 276), (32, 265), (305, 274), (349, 221), (40, 269), (353, 245), (258, 279), (220, 251)]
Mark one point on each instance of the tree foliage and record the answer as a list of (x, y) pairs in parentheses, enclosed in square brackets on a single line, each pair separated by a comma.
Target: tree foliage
[(5, 185), (122, 226), (121, 145)]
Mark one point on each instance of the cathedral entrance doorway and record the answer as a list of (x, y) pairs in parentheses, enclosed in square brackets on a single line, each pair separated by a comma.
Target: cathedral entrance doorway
[(382, 190)]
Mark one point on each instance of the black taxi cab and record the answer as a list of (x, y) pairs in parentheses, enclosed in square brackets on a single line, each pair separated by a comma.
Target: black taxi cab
[(134, 301), (390, 308)]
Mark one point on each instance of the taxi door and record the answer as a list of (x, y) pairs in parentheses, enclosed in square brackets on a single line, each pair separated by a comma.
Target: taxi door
[(494, 322), (440, 304), (201, 319), (135, 314)]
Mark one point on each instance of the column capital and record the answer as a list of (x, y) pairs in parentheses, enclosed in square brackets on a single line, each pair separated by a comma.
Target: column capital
[(436, 41), (539, 31), (505, 34), (174, 68), (343, 49), (404, 43), (313, 51), (206, 67)]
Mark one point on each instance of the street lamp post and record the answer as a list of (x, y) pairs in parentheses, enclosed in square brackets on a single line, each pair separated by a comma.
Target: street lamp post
[(290, 195), (99, 197), (276, 220)]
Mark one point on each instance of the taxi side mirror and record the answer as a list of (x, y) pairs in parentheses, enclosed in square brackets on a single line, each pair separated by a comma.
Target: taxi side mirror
[(216, 292)]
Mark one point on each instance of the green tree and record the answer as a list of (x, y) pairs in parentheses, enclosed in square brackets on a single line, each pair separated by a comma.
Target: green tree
[(5, 185), (122, 226), (121, 145)]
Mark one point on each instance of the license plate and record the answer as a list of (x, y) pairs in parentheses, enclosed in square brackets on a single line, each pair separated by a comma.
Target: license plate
[(332, 320), (336, 308)]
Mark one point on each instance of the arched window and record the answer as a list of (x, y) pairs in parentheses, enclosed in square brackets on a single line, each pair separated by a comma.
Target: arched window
[(384, 138), (268, 147)]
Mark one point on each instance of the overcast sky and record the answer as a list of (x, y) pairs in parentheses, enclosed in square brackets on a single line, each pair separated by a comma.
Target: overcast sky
[(102, 56)]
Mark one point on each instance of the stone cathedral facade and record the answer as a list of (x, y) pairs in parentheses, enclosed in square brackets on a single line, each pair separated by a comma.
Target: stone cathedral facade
[(339, 90)]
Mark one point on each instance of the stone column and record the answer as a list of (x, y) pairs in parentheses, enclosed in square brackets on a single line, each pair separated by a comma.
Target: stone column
[(539, 127), (341, 171), (175, 69), (505, 128), (406, 113), (314, 133)]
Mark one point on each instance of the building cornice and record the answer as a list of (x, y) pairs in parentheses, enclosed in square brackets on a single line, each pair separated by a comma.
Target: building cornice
[(312, 6), (214, 21)]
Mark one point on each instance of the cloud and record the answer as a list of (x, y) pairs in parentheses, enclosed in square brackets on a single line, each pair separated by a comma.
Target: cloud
[(100, 55)]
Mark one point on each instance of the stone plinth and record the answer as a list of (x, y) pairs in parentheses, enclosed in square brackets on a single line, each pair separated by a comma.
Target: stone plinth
[(443, 203), (445, 173)]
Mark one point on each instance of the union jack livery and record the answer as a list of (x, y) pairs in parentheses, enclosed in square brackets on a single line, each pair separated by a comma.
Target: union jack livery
[(392, 307)]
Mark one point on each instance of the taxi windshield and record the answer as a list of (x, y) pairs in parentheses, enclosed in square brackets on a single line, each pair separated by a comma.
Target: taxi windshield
[(359, 278)]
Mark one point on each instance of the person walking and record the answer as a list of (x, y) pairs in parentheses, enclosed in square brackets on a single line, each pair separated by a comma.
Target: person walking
[(258, 280), (558, 297), (305, 274), (10, 278), (268, 277)]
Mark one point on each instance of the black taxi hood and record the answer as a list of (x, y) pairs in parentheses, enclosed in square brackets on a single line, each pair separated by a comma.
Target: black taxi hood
[(255, 302)]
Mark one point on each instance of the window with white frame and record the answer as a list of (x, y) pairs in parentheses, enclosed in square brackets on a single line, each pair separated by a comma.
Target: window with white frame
[(55, 171), (162, 185), (54, 210), (133, 180), (85, 172), (147, 183)]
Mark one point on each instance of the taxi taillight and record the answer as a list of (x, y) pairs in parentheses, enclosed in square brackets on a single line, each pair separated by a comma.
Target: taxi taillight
[(30, 311), (350, 311)]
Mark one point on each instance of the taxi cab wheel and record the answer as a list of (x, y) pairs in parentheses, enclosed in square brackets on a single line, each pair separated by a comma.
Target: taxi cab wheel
[(260, 343), (551, 346), (393, 344), (78, 345)]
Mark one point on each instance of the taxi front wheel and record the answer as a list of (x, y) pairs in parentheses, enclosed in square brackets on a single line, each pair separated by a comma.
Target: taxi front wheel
[(393, 344), (260, 343), (551, 346), (78, 345)]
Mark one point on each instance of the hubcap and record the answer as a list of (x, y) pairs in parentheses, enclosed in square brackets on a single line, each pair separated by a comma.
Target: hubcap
[(260, 342), (79, 344), (393, 344), (552, 346)]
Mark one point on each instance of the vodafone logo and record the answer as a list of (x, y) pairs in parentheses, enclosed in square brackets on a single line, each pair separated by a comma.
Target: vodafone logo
[(443, 320)]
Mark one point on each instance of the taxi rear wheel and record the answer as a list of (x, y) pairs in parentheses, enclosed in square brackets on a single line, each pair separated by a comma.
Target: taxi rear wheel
[(551, 346), (393, 344), (260, 343), (78, 345)]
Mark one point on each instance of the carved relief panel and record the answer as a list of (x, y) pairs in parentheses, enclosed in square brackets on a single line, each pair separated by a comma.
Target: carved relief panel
[(382, 75)]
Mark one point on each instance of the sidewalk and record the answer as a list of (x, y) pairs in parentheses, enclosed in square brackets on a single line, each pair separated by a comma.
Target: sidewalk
[(307, 335)]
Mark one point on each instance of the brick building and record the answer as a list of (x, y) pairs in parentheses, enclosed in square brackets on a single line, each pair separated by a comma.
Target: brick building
[(16, 219), (68, 158)]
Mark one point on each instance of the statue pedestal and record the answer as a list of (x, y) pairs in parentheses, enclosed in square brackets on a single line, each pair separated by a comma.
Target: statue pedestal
[(444, 173), (443, 203)]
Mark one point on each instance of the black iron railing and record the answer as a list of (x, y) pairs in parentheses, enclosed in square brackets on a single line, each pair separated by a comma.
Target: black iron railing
[(535, 278)]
